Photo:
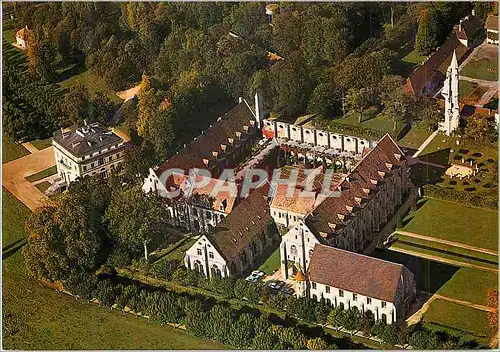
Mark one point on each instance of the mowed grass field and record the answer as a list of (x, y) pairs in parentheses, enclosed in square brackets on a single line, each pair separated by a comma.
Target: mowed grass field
[(11, 150), (457, 316), (470, 285), (456, 222), (272, 263), (36, 317)]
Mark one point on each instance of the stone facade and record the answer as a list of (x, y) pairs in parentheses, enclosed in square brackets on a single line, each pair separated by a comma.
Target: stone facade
[(451, 96), (87, 151)]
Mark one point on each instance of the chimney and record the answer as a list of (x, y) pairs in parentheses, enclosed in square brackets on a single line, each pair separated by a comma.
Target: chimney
[(259, 110)]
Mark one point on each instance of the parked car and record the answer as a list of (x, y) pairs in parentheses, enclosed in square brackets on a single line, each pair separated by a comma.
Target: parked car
[(57, 187), (275, 285), (259, 273), (286, 291)]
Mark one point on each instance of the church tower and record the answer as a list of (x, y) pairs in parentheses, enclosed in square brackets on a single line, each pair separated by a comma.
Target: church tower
[(450, 94)]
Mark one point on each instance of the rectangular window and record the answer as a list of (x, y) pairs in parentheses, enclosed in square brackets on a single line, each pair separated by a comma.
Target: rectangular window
[(341, 293), (110, 158), (354, 297), (118, 155), (91, 165), (383, 304), (314, 285), (211, 255), (100, 161), (327, 289), (84, 167), (198, 251), (368, 300)]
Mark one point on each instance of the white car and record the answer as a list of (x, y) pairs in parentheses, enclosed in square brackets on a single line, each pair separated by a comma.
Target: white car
[(260, 274)]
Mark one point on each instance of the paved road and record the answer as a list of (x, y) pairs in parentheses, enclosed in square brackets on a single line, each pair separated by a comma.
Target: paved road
[(15, 171), (449, 243), (30, 147)]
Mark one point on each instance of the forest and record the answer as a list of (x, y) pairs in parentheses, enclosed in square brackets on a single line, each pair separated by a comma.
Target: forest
[(334, 57)]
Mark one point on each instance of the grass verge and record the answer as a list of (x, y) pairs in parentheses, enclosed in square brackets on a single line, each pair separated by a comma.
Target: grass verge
[(272, 263), (42, 143), (42, 174), (11, 150)]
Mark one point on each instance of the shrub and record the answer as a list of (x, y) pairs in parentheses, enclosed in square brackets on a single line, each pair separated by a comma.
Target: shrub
[(321, 313), (390, 334), (105, 293), (316, 344), (485, 200), (242, 331), (336, 317), (351, 319)]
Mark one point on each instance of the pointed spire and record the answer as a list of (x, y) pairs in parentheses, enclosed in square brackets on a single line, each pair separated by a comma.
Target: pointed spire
[(454, 61)]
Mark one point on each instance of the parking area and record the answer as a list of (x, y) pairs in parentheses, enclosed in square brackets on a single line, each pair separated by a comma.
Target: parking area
[(273, 282)]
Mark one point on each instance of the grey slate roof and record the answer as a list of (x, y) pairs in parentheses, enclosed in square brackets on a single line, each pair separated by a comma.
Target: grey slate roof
[(86, 140)]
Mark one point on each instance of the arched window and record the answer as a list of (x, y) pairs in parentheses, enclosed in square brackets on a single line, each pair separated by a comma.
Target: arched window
[(293, 250), (341, 305), (310, 253), (215, 272), (198, 267), (329, 302), (209, 215), (315, 297), (195, 212)]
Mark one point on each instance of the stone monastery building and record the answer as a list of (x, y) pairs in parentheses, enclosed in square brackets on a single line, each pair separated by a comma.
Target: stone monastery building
[(319, 235)]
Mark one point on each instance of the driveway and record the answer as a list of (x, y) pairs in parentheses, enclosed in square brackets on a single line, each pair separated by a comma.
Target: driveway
[(15, 171)]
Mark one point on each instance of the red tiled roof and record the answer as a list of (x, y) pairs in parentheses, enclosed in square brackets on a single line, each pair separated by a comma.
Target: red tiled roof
[(222, 197), (193, 155), (243, 225), (354, 272), (436, 65), (354, 185), (491, 23)]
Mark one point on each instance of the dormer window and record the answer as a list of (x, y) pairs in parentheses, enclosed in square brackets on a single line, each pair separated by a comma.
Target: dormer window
[(366, 190), (245, 128), (388, 165), (215, 154), (341, 216), (349, 208), (206, 161), (374, 182), (358, 200), (223, 147), (398, 157), (238, 135), (252, 122), (381, 173), (231, 141), (332, 226)]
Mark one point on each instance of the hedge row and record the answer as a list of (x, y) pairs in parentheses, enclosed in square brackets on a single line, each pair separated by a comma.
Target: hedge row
[(353, 130), (313, 312), (484, 200), (206, 318)]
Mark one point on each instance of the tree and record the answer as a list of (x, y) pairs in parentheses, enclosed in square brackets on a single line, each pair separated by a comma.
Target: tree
[(77, 106), (160, 133), (324, 101), (336, 317), (242, 331), (103, 108), (492, 296), (477, 128), (321, 312), (69, 238), (135, 218), (397, 103), (147, 106), (317, 344), (428, 31), (359, 100), (220, 322), (139, 159), (429, 112), (351, 319)]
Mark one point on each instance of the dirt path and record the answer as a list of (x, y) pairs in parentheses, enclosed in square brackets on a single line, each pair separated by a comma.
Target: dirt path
[(129, 93), (417, 316), (15, 171), (449, 243), (426, 143), (442, 260), (30, 147), (464, 303)]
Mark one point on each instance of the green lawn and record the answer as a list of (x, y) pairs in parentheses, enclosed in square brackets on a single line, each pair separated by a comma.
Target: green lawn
[(11, 150), (42, 143), (13, 215), (486, 69), (470, 285), (42, 174), (415, 137), (370, 120), (175, 250), (36, 317), (272, 263), (456, 222), (457, 316), (42, 186), (466, 88), (93, 82), (438, 248), (414, 58)]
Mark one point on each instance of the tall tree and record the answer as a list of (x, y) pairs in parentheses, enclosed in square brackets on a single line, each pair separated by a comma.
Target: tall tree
[(427, 38), (135, 218)]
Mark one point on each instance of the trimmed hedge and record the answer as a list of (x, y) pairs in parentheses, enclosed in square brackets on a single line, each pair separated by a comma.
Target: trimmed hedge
[(483, 200), (353, 130)]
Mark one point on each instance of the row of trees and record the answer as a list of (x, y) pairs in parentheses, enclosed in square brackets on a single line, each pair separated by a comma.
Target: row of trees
[(203, 318)]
